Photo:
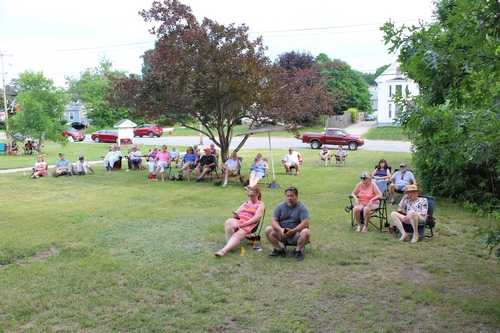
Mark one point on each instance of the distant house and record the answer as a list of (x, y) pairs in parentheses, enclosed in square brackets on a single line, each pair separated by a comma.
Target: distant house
[(374, 97), (389, 83), (76, 111)]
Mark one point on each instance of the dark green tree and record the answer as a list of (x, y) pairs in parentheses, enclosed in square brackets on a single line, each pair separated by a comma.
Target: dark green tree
[(370, 77), (92, 87), (454, 123), (345, 85), (42, 108)]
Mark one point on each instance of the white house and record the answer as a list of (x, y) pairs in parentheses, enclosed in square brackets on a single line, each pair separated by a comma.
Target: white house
[(373, 98), (389, 83), (76, 111)]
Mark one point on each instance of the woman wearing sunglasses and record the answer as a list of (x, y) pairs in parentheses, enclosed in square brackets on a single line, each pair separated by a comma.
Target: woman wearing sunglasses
[(366, 198)]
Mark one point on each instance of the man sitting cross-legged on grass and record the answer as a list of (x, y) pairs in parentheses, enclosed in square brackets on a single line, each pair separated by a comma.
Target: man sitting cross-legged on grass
[(231, 168), (62, 167), (207, 163), (290, 225)]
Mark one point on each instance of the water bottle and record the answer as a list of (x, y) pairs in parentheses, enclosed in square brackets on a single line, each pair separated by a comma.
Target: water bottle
[(24, 173), (316, 163)]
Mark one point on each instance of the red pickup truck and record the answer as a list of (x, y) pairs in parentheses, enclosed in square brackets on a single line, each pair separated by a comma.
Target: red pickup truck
[(332, 137)]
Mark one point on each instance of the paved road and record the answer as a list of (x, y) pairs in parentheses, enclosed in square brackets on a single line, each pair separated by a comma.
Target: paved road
[(263, 142), (259, 142)]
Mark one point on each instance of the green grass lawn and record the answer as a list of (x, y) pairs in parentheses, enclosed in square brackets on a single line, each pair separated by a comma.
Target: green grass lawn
[(386, 133), (115, 252)]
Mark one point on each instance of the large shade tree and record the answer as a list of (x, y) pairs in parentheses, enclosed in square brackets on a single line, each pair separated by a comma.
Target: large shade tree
[(454, 123), (206, 72), (41, 110), (345, 85)]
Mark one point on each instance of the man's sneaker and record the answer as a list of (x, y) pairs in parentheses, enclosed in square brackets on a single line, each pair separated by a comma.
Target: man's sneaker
[(298, 172), (201, 180), (242, 181), (289, 173), (298, 255), (197, 180), (224, 185), (277, 253)]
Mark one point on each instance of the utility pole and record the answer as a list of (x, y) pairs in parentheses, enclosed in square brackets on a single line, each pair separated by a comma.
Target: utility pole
[(5, 95)]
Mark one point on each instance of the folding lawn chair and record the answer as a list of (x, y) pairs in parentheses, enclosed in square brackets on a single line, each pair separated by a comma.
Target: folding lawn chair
[(379, 214), (429, 223)]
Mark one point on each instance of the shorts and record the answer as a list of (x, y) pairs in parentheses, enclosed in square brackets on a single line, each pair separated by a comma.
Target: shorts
[(401, 187), (291, 240), (257, 174), (233, 172), (202, 167)]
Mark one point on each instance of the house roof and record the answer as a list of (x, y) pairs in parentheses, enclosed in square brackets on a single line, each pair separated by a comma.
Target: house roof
[(125, 123)]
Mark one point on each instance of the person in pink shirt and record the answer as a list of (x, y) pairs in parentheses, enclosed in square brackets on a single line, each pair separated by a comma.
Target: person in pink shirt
[(366, 198), (163, 160)]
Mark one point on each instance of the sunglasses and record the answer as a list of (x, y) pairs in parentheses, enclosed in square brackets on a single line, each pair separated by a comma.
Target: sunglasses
[(252, 195), (363, 178)]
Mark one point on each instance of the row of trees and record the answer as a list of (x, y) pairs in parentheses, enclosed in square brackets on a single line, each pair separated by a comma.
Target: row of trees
[(209, 73), (454, 123)]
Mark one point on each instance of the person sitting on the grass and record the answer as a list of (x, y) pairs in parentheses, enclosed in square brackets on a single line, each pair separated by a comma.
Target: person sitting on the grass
[(174, 156), (62, 167), (14, 148), (413, 209), (366, 198), (325, 155), (40, 168), (135, 159), (189, 161), (381, 175), (232, 168), (207, 164), (340, 156), (162, 161), (258, 170), (290, 225), (83, 167), (111, 158), (240, 226)]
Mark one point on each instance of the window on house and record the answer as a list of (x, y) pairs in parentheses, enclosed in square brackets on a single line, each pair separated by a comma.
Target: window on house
[(397, 108), (390, 91), (71, 116), (398, 73), (399, 89), (390, 110)]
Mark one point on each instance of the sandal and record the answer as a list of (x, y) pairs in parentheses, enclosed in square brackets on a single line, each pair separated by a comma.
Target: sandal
[(392, 203), (220, 253), (415, 239), (365, 229), (358, 229), (405, 238)]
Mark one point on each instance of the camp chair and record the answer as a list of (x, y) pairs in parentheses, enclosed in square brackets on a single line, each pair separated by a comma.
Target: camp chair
[(300, 163), (238, 175), (429, 223), (286, 244), (266, 173), (380, 213), (385, 191), (396, 191), (215, 169), (255, 234), (337, 159)]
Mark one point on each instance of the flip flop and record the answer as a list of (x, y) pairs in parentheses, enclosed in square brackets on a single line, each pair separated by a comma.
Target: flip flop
[(220, 253)]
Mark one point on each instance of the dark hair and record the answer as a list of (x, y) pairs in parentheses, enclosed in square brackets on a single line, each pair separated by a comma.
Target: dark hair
[(293, 189), (257, 191), (382, 161)]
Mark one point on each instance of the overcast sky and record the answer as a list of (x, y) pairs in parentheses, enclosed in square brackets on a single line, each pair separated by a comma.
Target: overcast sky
[(64, 37)]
